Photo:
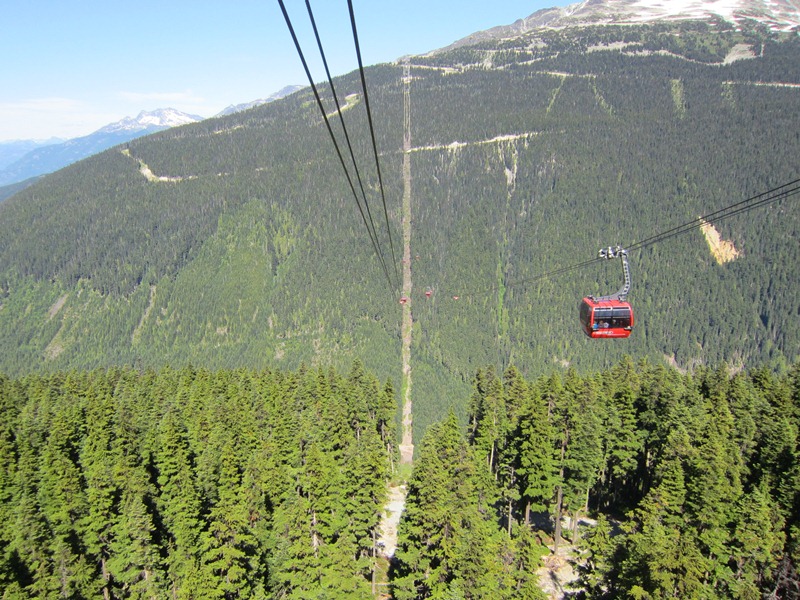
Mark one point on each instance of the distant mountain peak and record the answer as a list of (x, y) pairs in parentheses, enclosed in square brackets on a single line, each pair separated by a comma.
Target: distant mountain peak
[(778, 15), (28, 159), (161, 118), (283, 92), (49, 158)]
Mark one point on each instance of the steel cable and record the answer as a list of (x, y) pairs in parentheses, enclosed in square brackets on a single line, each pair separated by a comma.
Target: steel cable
[(769, 197), (372, 236)]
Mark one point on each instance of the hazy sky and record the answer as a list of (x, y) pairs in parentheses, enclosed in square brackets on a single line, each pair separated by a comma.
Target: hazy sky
[(69, 67)]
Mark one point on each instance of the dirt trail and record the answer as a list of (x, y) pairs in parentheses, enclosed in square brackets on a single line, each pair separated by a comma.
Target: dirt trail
[(395, 504), (396, 497), (407, 443), (557, 574)]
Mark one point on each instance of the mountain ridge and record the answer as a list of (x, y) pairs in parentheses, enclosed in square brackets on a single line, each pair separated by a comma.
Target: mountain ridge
[(28, 159), (48, 158), (12, 150), (281, 93), (778, 15), (150, 121)]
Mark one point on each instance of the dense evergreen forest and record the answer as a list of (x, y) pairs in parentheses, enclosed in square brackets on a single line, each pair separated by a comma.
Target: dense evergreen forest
[(527, 155), (692, 483), (193, 483)]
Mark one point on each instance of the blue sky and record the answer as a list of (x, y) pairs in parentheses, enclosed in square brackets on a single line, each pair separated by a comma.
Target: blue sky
[(70, 67)]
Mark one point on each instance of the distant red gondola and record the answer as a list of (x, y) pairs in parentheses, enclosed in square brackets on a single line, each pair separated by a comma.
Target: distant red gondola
[(609, 316)]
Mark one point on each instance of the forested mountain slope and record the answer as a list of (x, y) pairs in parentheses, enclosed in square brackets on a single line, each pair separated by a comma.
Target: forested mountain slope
[(243, 246)]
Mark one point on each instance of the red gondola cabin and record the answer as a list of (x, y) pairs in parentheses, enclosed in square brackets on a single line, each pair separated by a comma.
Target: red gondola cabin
[(602, 318), (609, 316)]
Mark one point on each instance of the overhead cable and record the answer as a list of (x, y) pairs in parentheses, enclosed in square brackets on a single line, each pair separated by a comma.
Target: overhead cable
[(371, 129), (341, 117), (372, 235), (757, 201), (769, 197)]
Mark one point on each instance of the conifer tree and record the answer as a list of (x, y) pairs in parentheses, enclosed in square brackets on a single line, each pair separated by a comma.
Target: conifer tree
[(658, 398), (446, 545), (746, 409), (387, 421), (661, 556), (134, 563), (713, 490), (7, 476), (97, 465), (528, 552), (361, 398), (599, 547), (134, 557), (294, 559), (516, 397), (436, 495), (115, 484), (228, 545), (490, 422), (584, 458), (63, 504), (179, 505), (29, 532), (623, 441), (516, 391), (487, 439), (534, 440), (564, 410), (757, 543), (363, 491)]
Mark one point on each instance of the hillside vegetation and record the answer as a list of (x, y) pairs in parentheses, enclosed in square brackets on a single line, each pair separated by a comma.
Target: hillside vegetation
[(269, 484), (528, 155), (691, 482), (192, 483)]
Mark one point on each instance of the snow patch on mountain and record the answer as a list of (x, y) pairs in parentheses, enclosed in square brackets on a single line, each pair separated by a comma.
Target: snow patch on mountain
[(162, 118), (282, 93), (778, 15)]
